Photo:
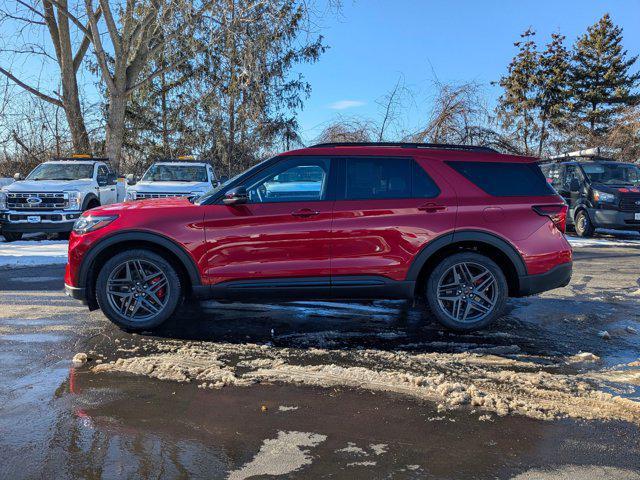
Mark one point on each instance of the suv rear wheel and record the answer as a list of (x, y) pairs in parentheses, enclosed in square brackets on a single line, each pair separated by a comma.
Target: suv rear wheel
[(138, 290), (584, 227), (466, 291)]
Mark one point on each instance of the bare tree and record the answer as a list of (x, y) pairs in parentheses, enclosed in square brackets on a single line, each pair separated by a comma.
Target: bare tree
[(31, 16)]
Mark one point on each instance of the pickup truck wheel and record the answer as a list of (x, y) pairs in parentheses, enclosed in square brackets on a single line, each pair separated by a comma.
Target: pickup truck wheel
[(138, 290), (583, 225), (466, 291), (12, 236)]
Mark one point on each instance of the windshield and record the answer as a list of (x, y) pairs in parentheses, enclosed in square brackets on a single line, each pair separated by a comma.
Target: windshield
[(175, 173), (62, 171), (613, 173)]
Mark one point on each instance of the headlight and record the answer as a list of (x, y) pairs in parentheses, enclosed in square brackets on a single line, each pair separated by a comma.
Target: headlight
[(3, 200), (604, 197), (129, 196), (74, 200), (91, 223)]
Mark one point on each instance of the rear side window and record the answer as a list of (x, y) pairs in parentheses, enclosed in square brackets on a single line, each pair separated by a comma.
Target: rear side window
[(386, 178), (505, 179)]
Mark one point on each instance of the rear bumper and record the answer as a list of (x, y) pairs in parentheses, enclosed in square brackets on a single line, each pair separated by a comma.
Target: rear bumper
[(557, 277), (613, 219)]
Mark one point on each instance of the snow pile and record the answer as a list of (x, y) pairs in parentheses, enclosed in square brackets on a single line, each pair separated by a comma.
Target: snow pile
[(634, 240), (502, 385), (26, 253)]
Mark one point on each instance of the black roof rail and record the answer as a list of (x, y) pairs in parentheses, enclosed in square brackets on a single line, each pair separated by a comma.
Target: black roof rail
[(435, 146)]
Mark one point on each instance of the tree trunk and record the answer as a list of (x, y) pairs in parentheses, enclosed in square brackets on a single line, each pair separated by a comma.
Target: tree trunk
[(75, 119), (115, 127)]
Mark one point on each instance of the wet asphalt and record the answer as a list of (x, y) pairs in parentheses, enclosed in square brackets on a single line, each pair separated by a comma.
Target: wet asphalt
[(61, 421)]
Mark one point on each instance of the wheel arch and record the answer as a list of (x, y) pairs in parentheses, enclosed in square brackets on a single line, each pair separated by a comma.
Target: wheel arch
[(174, 253), (494, 247), (88, 199)]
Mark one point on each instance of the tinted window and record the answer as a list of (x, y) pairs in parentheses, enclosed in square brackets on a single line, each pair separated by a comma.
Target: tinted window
[(423, 185), (380, 178), (505, 179), (294, 180)]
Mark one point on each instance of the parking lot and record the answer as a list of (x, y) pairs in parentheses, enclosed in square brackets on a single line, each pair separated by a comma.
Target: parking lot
[(324, 389)]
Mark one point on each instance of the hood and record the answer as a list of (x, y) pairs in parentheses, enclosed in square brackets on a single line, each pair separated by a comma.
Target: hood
[(170, 187), (155, 203), (608, 188), (48, 185)]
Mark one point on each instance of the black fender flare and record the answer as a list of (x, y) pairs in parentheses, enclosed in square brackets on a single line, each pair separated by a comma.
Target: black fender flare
[(150, 237), (87, 199), (466, 236)]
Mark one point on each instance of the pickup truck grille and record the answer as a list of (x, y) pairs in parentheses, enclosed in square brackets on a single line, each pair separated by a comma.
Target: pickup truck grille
[(628, 203), (36, 201), (143, 195)]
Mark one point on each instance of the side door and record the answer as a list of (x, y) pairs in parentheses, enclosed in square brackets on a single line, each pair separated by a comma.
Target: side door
[(386, 210), (572, 187), (278, 243), (106, 185)]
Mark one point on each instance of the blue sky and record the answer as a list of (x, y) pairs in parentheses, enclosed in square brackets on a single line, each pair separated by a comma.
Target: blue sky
[(374, 42)]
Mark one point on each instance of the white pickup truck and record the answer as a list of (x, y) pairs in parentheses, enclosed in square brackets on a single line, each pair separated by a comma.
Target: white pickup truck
[(172, 179), (54, 195)]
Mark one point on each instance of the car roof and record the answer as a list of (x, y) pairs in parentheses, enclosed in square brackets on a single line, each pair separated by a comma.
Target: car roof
[(436, 151), (181, 163)]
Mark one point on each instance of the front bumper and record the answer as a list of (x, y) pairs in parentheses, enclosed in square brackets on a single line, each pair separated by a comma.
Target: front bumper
[(557, 277), (613, 219), (51, 221)]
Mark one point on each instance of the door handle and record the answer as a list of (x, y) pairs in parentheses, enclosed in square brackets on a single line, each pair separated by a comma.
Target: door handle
[(304, 213), (431, 207)]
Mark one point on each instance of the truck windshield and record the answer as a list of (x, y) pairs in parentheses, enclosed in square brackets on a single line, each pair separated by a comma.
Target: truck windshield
[(62, 171), (175, 173), (613, 173)]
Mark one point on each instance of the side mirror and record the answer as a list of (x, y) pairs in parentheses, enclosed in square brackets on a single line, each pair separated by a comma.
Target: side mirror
[(235, 196), (130, 179), (574, 186), (17, 177)]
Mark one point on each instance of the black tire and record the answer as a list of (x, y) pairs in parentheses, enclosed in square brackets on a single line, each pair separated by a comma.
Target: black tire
[(12, 236), (583, 226), (171, 294), (497, 291)]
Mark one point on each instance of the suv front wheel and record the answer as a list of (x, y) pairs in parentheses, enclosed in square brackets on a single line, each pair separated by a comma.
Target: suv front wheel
[(584, 227), (138, 290), (466, 291)]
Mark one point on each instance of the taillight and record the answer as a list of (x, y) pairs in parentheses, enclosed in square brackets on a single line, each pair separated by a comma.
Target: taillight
[(557, 214)]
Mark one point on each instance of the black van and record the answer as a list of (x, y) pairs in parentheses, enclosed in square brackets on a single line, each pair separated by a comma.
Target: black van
[(600, 192)]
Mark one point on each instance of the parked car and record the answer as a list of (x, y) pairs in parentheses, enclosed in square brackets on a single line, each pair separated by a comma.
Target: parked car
[(172, 178), (600, 193), (54, 195), (462, 227)]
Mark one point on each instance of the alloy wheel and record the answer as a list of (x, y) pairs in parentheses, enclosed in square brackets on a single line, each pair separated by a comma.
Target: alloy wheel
[(467, 292), (137, 289)]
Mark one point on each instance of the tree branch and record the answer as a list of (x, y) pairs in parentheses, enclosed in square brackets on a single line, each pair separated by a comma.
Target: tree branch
[(84, 46), (32, 90), (97, 43), (111, 27)]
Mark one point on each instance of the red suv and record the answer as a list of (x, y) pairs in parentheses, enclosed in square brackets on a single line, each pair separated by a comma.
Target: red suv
[(462, 227)]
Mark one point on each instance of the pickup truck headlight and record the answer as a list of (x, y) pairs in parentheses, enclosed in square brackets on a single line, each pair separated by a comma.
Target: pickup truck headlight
[(91, 223), (130, 196), (75, 200), (3, 201), (603, 197)]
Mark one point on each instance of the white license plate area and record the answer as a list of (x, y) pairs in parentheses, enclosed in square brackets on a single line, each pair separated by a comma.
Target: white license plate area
[(637, 216), (33, 219)]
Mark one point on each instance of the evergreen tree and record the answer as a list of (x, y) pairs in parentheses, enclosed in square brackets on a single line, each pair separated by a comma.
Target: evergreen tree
[(602, 85), (553, 93), (517, 106)]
